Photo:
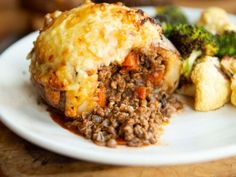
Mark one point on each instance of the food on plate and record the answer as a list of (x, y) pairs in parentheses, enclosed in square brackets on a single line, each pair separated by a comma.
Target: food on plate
[(171, 14), (212, 87), (135, 3), (192, 42), (216, 20), (233, 87), (196, 45), (227, 44), (109, 70), (229, 66), (204, 45)]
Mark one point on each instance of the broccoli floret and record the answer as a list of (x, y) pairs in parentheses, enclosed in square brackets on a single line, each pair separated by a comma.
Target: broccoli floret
[(227, 44), (167, 28), (187, 38), (192, 42), (171, 15), (189, 62)]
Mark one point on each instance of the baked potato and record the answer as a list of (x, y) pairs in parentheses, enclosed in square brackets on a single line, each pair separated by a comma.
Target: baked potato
[(73, 45)]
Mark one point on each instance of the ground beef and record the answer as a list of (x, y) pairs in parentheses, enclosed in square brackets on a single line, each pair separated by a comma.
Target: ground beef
[(127, 118)]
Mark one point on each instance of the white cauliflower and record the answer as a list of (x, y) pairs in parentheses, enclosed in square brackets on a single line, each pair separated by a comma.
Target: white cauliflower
[(229, 66), (212, 88), (216, 21), (233, 87)]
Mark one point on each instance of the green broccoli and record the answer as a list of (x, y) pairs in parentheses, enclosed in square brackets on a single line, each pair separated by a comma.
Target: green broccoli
[(187, 38), (189, 62), (171, 15), (192, 42), (227, 44)]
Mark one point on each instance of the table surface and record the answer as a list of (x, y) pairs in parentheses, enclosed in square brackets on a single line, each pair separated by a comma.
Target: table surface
[(19, 158)]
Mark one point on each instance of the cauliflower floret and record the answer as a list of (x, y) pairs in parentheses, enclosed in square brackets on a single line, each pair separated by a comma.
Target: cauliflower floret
[(229, 66), (212, 87), (216, 20), (233, 88), (229, 27)]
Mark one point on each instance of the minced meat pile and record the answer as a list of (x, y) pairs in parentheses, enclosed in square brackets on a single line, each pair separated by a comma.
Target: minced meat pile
[(135, 105)]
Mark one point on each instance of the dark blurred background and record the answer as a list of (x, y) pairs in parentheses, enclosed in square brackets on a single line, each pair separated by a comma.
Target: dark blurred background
[(19, 17)]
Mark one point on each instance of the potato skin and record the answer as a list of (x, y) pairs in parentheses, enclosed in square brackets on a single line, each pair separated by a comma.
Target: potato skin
[(173, 68), (212, 86)]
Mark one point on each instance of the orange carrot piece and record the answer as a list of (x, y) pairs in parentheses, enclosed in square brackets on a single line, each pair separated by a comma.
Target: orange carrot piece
[(131, 62), (102, 96), (141, 92)]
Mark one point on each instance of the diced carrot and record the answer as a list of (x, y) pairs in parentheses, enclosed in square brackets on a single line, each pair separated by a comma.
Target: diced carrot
[(156, 77), (102, 96), (120, 141), (131, 62), (141, 92)]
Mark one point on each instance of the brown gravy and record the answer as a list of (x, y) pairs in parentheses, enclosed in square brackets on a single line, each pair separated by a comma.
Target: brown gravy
[(63, 121)]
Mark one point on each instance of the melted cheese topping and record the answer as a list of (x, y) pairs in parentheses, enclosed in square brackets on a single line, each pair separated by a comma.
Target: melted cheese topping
[(74, 44)]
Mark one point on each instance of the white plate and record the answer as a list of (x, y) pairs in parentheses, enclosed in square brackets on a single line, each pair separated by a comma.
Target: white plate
[(190, 137)]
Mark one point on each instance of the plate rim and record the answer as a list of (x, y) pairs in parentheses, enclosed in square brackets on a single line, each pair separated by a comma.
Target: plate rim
[(140, 160)]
